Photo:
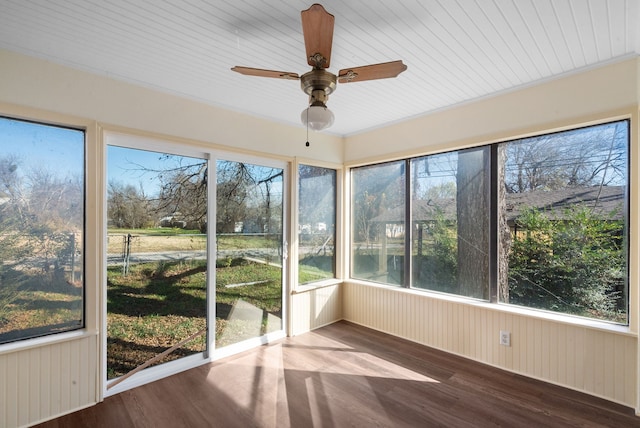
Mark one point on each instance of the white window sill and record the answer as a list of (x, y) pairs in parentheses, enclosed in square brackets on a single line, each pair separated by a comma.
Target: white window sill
[(51, 339), (316, 285)]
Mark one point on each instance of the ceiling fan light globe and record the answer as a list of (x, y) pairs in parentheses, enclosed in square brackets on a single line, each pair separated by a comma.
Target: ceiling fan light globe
[(317, 117)]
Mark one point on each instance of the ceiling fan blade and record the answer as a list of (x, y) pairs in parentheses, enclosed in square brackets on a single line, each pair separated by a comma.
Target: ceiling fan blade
[(371, 72), (248, 71), (317, 27)]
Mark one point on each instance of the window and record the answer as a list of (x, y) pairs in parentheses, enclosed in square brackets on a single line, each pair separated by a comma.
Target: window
[(540, 222), (41, 229), (563, 211), (378, 222), (449, 214), (316, 223)]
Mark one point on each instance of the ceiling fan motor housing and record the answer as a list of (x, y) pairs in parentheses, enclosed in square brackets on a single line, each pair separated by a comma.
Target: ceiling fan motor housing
[(318, 84)]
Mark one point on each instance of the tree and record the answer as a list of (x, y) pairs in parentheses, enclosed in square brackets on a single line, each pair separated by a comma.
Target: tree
[(576, 265), (250, 195), (128, 207), (12, 215), (376, 189), (316, 200), (233, 193), (572, 264), (40, 215), (184, 190), (472, 214), (583, 157)]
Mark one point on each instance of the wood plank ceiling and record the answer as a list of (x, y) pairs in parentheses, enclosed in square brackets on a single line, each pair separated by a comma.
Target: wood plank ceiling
[(456, 50)]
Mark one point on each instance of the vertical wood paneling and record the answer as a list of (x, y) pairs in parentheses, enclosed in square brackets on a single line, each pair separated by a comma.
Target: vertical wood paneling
[(554, 343), (23, 367), (11, 404), (522, 346), (55, 376), (3, 385), (516, 343), (600, 347), (545, 350), (65, 373), (477, 334), (608, 359), (594, 361), (617, 359), (579, 358), (43, 382), (562, 362), (631, 355), (314, 308), (35, 369)]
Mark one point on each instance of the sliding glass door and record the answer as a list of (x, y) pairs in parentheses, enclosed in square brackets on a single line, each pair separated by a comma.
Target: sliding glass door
[(167, 309), (249, 256), (157, 270)]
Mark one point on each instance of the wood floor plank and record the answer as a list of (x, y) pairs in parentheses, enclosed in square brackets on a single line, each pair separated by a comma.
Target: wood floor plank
[(348, 375)]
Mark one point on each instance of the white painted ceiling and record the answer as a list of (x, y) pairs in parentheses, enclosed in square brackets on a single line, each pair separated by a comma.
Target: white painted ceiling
[(455, 50)]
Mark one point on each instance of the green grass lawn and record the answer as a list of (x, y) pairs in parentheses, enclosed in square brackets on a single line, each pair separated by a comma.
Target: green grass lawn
[(159, 304), (33, 303), (155, 306), (155, 231)]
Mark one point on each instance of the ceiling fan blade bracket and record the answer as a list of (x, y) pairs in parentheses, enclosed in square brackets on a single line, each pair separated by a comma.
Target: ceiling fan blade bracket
[(318, 60), (348, 76)]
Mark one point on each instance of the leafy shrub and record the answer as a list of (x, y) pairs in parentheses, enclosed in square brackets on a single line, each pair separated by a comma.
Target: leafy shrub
[(575, 265)]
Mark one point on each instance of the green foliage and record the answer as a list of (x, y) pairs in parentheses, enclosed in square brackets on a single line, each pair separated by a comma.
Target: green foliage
[(314, 267), (437, 268), (576, 265), (367, 206)]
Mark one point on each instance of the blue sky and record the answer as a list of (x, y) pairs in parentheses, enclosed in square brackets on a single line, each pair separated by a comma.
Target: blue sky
[(124, 166), (42, 146), (60, 150)]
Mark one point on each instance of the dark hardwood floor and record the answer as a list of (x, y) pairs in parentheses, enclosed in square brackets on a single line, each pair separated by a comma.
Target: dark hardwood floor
[(345, 375)]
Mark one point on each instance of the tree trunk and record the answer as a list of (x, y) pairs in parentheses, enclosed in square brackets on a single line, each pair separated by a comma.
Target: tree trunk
[(504, 237), (473, 208)]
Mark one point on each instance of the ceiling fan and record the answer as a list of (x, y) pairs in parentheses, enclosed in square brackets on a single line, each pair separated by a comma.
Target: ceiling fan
[(317, 27)]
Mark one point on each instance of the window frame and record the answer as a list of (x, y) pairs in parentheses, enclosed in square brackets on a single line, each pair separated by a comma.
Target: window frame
[(340, 261), (493, 301), (404, 180), (92, 240), (335, 219)]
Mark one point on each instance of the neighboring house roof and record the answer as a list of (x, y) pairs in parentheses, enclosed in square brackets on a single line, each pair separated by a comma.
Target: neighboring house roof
[(604, 200)]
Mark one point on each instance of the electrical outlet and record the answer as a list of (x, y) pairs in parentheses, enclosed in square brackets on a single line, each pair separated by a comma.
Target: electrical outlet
[(505, 338)]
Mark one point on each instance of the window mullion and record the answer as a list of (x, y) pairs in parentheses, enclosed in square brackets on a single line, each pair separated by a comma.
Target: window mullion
[(408, 227)]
